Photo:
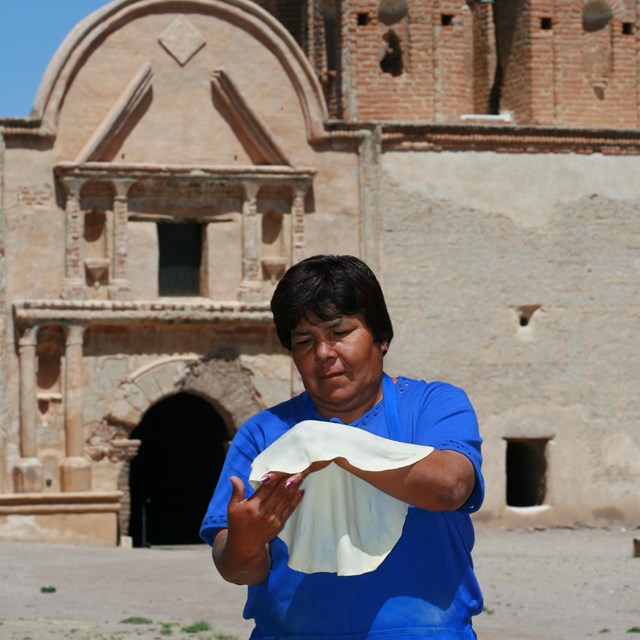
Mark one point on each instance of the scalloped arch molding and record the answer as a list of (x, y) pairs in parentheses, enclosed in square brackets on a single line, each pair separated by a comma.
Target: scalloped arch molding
[(226, 384)]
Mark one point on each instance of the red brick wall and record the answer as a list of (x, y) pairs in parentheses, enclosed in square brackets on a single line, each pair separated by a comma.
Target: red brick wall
[(484, 57), (514, 55), (553, 72), (596, 73), (436, 84)]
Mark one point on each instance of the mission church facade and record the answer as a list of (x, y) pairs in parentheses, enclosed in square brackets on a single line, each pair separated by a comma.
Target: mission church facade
[(482, 157)]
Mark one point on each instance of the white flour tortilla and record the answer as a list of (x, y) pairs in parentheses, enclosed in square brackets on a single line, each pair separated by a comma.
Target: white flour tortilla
[(343, 525)]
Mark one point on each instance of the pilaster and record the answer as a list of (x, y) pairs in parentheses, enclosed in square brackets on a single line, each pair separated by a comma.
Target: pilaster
[(119, 284), (74, 286), (27, 473), (75, 470), (297, 222), (250, 289)]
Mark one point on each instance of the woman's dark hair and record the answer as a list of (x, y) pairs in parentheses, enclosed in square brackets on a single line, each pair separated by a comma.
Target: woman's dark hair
[(323, 288)]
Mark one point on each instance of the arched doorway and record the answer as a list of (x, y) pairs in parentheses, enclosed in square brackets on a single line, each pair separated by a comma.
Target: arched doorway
[(173, 476)]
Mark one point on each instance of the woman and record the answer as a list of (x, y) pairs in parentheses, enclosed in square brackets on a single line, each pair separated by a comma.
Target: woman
[(330, 314)]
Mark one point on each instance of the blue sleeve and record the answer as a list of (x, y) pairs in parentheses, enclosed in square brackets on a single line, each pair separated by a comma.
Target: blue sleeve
[(447, 421), (241, 454)]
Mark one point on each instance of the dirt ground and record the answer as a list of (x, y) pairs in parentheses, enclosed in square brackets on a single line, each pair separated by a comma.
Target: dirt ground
[(556, 584)]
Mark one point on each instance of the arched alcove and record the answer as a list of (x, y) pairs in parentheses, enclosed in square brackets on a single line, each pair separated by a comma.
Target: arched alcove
[(183, 445)]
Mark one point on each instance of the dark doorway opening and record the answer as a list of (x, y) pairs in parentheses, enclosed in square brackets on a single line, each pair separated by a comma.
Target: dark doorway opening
[(172, 478), (526, 471)]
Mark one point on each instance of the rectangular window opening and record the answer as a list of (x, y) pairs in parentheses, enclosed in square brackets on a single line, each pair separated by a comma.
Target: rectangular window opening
[(446, 19), (546, 24), (526, 469), (627, 28), (180, 250), (363, 19)]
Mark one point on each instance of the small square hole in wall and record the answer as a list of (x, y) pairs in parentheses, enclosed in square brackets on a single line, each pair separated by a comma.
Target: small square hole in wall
[(526, 469), (446, 19), (363, 19), (627, 28), (546, 24)]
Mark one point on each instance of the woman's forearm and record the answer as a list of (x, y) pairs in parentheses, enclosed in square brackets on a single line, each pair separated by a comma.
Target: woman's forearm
[(237, 562), (443, 481)]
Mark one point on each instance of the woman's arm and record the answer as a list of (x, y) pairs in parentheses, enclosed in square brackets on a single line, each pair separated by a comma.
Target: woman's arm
[(443, 481), (241, 552)]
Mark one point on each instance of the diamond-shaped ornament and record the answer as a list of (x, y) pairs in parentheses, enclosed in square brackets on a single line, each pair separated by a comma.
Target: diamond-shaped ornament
[(182, 40)]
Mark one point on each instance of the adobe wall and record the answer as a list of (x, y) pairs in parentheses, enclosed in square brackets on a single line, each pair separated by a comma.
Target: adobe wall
[(3, 320), (133, 127), (478, 245), (510, 270)]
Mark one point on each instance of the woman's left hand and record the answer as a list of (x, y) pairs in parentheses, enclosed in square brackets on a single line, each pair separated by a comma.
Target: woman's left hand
[(296, 479)]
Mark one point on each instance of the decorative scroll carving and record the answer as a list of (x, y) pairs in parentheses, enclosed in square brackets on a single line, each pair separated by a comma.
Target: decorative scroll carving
[(116, 450)]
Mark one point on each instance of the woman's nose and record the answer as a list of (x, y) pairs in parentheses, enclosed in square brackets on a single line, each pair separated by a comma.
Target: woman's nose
[(324, 350)]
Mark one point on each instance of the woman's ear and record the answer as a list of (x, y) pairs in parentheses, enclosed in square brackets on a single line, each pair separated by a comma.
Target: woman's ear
[(384, 347)]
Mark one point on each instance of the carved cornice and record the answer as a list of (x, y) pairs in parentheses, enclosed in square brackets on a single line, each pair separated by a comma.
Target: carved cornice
[(509, 139), (186, 175), (28, 313), (71, 502), (398, 136)]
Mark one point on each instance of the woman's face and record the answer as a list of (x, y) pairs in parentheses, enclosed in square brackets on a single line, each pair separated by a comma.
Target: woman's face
[(340, 365)]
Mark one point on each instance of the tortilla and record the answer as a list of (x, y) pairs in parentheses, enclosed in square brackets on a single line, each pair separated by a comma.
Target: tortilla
[(343, 525)]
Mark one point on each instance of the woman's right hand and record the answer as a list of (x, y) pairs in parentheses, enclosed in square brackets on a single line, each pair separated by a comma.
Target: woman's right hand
[(259, 518), (241, 552)]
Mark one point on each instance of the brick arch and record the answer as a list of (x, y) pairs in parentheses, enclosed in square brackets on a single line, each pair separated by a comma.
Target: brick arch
[(226, 384), (88, 35)]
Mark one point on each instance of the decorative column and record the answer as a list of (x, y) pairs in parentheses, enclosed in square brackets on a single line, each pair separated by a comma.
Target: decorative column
[(76, 470), (27, 474), (250, 289), (119, 282), (297, 222), (74, 286)]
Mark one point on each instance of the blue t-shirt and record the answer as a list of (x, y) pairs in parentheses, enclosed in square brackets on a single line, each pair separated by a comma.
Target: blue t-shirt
[(424, 588)]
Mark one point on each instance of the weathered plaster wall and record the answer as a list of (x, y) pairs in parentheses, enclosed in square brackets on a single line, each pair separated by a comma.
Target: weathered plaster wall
[(3, 323), (473, 242), (31, 205)]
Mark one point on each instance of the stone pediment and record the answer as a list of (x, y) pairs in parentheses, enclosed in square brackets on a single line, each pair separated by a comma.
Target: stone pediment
[(126, 113), (204, 73)]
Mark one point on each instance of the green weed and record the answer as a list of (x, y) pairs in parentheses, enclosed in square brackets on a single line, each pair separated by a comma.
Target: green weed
[(633, 630), (166, 629), (196, 627), (136, 620), (48, 589)]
